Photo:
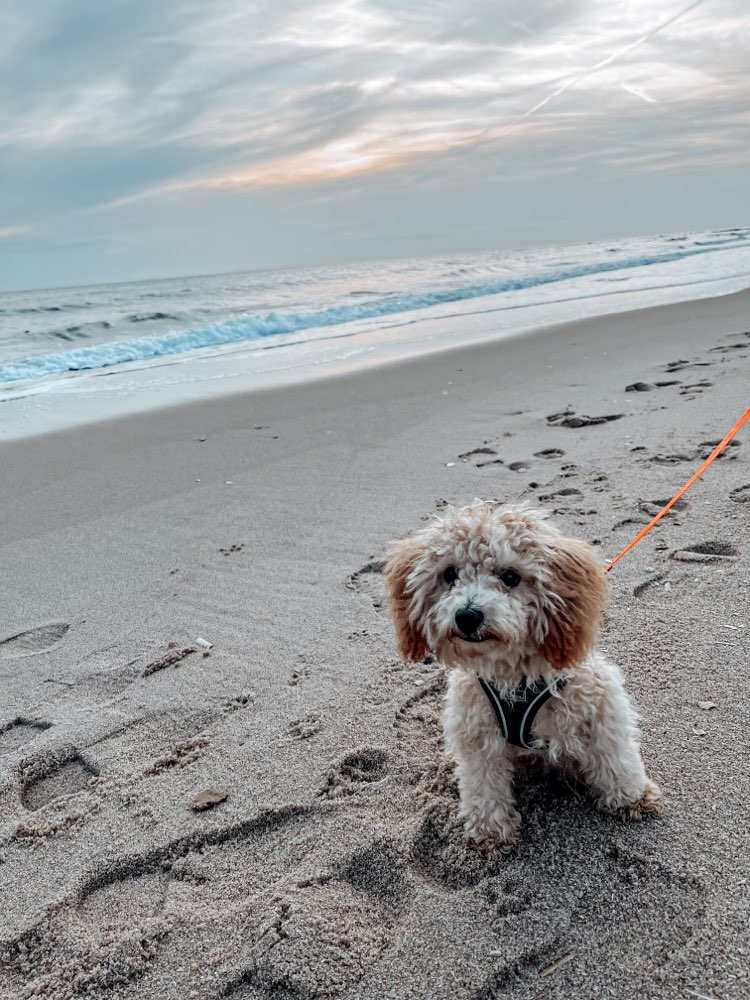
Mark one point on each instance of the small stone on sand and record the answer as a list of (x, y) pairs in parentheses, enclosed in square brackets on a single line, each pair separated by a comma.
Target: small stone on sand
[(208, 799)]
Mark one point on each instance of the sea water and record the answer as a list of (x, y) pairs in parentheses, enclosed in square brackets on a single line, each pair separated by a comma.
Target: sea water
[(261, 324)]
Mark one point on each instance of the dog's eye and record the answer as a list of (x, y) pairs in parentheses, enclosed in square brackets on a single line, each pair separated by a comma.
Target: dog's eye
[(450, 575), (510, 578)]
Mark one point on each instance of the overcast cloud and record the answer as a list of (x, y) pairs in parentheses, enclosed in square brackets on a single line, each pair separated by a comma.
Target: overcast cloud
[(143, 139)]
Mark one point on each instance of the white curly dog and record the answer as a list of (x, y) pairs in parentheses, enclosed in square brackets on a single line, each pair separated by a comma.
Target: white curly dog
[(500, 596)]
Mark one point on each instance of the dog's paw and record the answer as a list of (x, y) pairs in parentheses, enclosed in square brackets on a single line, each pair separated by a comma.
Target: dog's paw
[(647, 805), (492, 838), (491, 848)]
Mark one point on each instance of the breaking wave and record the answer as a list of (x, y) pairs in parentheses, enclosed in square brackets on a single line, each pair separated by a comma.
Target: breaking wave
[(259, 326)]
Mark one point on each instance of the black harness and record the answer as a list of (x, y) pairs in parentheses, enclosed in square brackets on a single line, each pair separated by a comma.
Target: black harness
[(515, 712)]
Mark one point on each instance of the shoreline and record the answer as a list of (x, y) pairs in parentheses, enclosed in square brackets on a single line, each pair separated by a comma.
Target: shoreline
[(82, 413), (90, 396), (335, 867)]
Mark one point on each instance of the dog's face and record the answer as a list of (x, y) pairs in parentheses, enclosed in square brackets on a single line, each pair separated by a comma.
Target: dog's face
[(484, 579)]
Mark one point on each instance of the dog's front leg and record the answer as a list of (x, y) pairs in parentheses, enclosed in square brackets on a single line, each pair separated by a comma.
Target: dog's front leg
[(484, 768)]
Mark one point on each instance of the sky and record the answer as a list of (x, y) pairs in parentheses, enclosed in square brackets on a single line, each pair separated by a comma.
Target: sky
[(144, 138)]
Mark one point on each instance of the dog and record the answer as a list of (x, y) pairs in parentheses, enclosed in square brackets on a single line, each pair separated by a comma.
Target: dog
[(513, 608)]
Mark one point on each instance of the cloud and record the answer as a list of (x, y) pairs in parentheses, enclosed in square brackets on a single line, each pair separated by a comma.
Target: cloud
[(455, 86), (405, 87), (8, 232), (110, 104)]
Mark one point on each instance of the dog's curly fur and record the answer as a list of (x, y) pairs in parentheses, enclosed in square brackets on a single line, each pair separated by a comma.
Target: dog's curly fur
[(543, 626)]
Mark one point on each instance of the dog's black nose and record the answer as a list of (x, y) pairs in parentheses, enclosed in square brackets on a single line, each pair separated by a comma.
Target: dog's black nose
[(469, 620)]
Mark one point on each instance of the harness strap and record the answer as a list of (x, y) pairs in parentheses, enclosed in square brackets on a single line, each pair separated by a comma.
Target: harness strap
[(515, 714)]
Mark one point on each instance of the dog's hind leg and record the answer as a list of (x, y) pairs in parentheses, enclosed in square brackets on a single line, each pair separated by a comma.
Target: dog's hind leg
[(607, 749)]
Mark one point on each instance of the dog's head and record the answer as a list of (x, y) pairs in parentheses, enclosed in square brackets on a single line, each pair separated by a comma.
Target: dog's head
[(483, 579)]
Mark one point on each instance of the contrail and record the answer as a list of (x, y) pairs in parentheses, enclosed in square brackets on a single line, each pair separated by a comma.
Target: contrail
[(637, 93), (608, 61)]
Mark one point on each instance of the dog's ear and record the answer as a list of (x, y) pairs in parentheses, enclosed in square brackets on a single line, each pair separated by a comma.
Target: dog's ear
[(402, 557), (579, 588)]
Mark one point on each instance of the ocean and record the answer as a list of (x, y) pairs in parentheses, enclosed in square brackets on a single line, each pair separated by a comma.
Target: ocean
[(262, 324)]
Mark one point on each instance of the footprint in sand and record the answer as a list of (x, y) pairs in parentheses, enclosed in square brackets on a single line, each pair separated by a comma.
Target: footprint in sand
[(671, 459), (706, 552), (419, 715), (652, 507), (379, 871), (726, 348), (574, 512), (231, 705), (628, 522), (730, 452), (122, 915), (120, 928), (94, 964), (543, 930), (477, 452), (649, 386), (369, 581), (696, 387), (568, 491), (655, 584), (250, 987), (676, 366), (578, 893), (439, 853), (19, 732), (554, 418), (569, 419), (35, 640), (549, 452), (586, 421), (126, 899), (373, 902), (302, 729), (741, 494), (595, 481), (343, 929), (231, 549), (56, 791), (181, 755), (299, 674), (51, 777), (366, 766), (519, 466)]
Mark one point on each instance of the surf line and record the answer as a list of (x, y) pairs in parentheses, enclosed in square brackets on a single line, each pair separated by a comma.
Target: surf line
[(696, 475)]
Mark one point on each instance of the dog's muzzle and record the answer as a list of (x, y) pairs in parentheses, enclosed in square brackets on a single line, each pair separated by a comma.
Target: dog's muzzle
[(469, 620)]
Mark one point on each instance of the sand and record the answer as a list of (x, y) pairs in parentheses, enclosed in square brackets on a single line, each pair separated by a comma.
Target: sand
[(330, 863)]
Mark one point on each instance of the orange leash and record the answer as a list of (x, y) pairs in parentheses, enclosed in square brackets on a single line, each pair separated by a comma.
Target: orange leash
[(696, 475)]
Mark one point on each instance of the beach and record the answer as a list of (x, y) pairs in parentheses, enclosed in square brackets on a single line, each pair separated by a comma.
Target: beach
[(328, 861)]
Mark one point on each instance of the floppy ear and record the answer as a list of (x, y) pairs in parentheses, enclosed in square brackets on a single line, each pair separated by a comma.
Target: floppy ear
[(580, 589), (402, 558)]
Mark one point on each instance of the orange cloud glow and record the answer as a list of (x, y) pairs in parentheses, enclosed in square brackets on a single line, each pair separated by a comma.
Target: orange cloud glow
[(375, 149)]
